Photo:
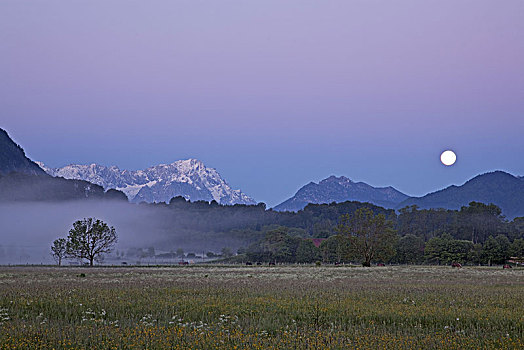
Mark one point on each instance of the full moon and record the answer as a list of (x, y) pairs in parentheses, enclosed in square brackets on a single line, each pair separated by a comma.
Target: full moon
[(448, 157)]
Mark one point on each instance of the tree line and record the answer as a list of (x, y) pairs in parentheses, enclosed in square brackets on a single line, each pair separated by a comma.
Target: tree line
[(477, 233), (363, 237), (475, 222)]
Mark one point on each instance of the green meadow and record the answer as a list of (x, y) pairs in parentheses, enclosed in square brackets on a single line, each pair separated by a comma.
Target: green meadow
[(261, 307)]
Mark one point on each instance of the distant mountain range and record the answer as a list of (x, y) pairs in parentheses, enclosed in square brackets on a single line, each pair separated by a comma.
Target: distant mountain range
[(21, 179), (498, 187), (341, 189), (189, 178)]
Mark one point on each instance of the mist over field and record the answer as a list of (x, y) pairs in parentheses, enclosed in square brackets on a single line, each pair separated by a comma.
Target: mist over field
[(28, 229)]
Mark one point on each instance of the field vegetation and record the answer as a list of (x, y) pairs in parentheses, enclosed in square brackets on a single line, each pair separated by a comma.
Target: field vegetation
[(261, 307)]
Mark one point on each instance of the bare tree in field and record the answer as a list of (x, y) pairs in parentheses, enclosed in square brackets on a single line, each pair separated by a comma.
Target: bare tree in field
[(89, 239), (59, 250)]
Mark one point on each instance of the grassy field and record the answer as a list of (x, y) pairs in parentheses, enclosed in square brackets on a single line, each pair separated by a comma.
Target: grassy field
[(293, 307)]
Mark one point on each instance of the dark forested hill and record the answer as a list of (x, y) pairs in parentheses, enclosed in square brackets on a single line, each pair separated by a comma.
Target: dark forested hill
[(13, 158), (21, 179), (247, 223), (341, 189), (16, 187), (500, 188)]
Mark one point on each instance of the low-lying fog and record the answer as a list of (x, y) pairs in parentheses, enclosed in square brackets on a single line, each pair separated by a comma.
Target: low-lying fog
[(27, 230)]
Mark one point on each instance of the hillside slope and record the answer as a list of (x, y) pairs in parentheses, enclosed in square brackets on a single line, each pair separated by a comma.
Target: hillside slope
[(21, 179), (13, 158), (498, 187)]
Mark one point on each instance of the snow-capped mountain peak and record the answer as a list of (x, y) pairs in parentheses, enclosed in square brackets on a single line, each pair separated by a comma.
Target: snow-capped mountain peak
[(189, 178)]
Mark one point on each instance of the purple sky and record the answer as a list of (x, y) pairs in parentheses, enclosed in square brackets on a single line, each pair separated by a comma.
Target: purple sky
[(272, 93)]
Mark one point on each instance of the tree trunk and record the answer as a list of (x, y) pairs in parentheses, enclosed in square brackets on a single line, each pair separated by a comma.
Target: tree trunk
[(91, 261)]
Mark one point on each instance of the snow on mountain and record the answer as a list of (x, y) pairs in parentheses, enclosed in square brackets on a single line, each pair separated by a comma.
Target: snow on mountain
[(188, 178)]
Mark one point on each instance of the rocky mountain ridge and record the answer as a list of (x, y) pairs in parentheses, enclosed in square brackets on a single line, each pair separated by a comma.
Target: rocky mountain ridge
[(341, 189), (188, 178)]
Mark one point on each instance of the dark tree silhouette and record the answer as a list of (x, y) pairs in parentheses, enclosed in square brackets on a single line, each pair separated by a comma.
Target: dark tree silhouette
[(59, 250), (89, 239)]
